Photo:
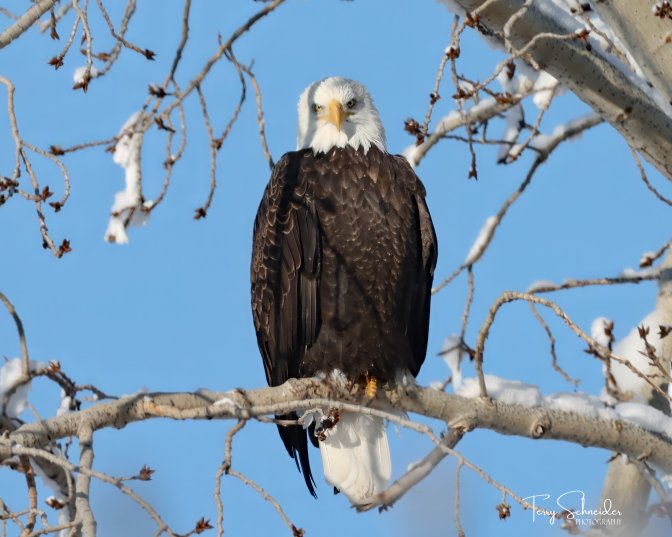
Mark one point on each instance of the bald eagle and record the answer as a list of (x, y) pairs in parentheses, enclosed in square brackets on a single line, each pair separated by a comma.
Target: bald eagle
[(343, 259)]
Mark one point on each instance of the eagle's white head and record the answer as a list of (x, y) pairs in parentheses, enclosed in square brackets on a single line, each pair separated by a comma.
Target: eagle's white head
[(336, 112)]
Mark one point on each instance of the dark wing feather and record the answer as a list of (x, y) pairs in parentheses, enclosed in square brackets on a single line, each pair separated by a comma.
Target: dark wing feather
[(285, 275), (420, 290)]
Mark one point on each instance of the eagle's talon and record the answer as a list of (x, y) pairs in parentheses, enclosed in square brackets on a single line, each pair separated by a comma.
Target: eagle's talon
[(326, 424), (371, 388)]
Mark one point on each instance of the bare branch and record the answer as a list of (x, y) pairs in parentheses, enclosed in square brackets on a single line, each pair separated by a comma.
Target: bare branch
[(642, 173), (260, 114), (25, 21), (296, 532), (551, 341), (202, 211), (198, 79), (21, 332), (602, 352), (183, 40)]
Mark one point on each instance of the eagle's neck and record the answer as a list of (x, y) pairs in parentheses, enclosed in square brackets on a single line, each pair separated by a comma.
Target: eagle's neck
[(363, 134), (328, 137)]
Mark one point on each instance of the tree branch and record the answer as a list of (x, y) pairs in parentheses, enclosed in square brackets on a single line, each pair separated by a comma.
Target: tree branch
[(25, 21), (304, 394)]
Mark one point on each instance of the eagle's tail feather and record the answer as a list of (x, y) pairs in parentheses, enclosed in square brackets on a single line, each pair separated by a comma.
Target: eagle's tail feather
[(356, 456), (296, 442)]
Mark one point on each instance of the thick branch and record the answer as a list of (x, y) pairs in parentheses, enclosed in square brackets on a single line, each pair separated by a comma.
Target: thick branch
[(644, 35), (456, 411)]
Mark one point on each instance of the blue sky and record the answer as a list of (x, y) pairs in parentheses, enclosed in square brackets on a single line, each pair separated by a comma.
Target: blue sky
[(170, 310)]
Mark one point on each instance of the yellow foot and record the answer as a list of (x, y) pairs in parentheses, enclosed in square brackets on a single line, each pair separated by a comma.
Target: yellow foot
[(371, 387)]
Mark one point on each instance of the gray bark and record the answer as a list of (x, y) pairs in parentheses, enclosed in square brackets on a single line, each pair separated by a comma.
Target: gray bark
[(303, 394), (644, 35)]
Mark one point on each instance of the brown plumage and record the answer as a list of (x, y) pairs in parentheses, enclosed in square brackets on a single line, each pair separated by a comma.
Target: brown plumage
[(342, 265)]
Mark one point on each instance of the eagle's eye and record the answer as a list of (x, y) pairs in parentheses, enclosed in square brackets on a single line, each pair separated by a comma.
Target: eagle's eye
[(317, 108), (351, 103)]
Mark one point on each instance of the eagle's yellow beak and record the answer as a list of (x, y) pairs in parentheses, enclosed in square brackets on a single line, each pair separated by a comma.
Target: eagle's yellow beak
[(335, 113)]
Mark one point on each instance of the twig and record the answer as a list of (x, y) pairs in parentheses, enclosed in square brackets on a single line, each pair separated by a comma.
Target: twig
[(551, 341), (243, 95), (14, 127), (118, 483), (56, 205), (518, 150), (459, 98), (449, 279), (183, 41), (223, 47), (119, 37), (473, 115), (58, 150), (7, 13), (57, 61), (20, 156), (202, 211), (611, 46), (250, 483), (83, 16), (260, 114), (577, 284), (451, 53), (650, 258), (642, 173), (47, 241), (512, 296), (468, 302), (22, 335), (171, 158)]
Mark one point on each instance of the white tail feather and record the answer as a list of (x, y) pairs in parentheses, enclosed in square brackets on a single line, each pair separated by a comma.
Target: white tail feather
[(356, 456)]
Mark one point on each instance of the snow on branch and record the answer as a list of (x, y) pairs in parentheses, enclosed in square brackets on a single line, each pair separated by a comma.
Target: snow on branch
[(129, 205), (587, 65), (484, 110)]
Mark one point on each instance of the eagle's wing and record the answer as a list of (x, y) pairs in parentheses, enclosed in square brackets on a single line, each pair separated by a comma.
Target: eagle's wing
[(285, 281), (420, 289)]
